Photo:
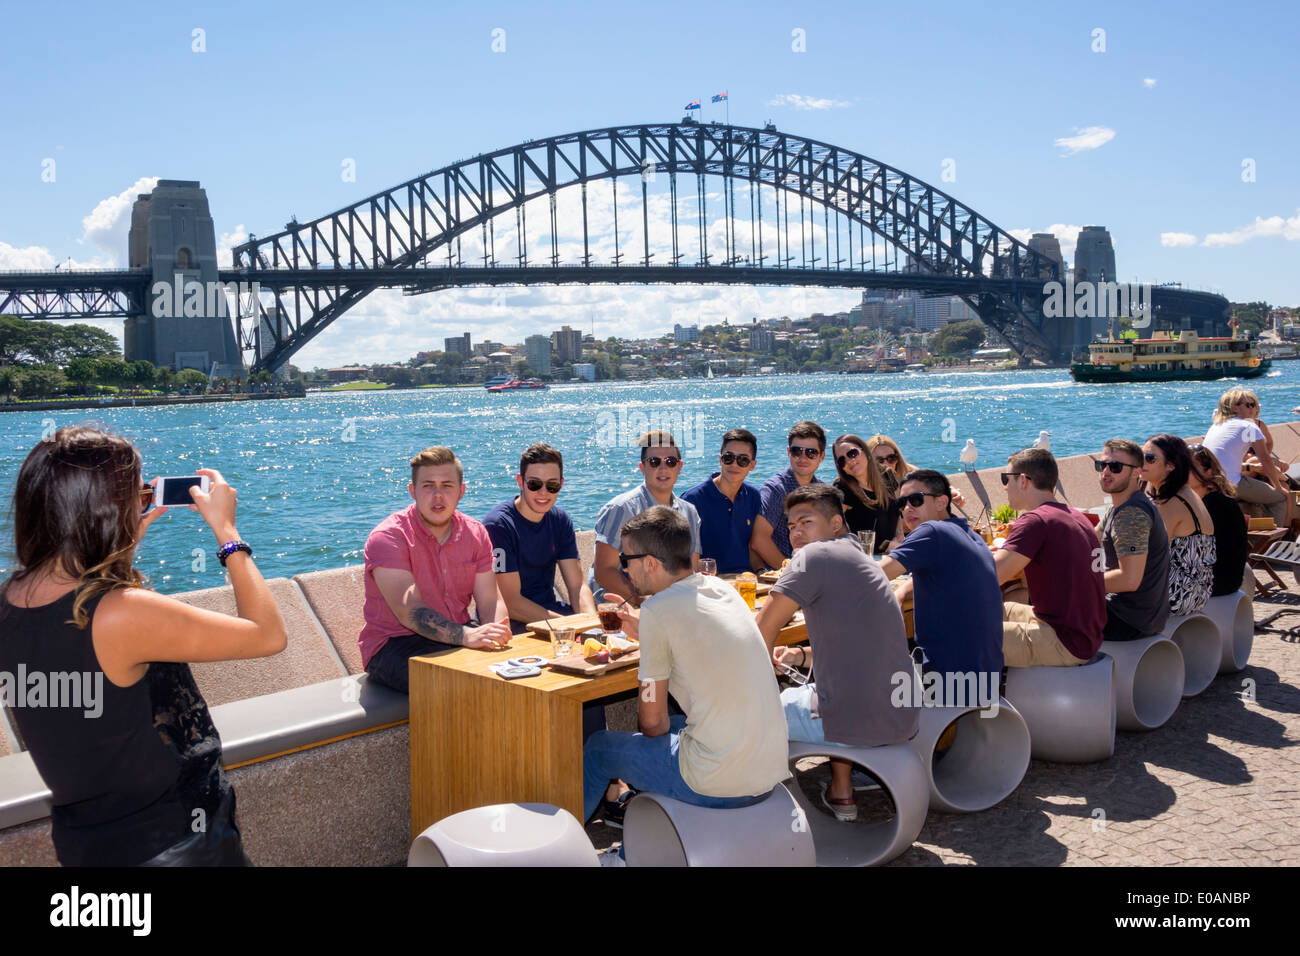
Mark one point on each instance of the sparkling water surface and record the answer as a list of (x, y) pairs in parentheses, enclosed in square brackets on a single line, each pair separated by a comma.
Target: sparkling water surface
[(316, 474)]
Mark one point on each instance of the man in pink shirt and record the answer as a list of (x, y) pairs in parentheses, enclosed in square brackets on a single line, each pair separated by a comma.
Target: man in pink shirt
[(423, 564)]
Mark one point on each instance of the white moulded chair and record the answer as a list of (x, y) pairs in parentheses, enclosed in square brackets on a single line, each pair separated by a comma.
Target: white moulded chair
[(1070, 711), (1198, 638), (985, 763), (1234, 616), (1149, 676), (904, 781), (507, 834), (661, 831)]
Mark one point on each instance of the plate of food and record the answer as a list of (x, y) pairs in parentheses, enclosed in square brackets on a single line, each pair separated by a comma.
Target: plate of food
[(594, 657)]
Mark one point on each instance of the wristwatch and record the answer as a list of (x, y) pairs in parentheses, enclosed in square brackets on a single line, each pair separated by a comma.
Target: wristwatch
[(230, 547)]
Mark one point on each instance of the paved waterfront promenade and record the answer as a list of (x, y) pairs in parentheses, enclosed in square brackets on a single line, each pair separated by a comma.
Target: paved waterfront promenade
[(1218, 785)]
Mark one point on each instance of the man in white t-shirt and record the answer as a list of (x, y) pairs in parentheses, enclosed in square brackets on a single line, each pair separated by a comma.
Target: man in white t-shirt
[(699, 642), (1230, 438)]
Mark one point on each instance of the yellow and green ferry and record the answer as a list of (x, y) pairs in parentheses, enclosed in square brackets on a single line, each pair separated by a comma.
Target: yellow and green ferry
[(1163, 358)]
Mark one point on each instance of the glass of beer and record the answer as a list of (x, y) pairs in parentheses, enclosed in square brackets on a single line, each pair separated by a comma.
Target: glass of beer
[(708, 566), (746, 586), (609, 620), (562, 641), (986, 533), (868, 539)]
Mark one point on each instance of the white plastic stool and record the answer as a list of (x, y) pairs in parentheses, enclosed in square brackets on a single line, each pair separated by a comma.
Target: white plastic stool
[(985, 763), (507, 834), (1070, 711), (1198, 638), (1233, 615), (1149, 678), (661, 831), (904, 781)]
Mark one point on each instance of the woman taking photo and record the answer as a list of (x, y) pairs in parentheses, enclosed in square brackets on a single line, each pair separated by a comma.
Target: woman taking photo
[(1220, 498), (868, 501), (137, 780), (1166, 466)]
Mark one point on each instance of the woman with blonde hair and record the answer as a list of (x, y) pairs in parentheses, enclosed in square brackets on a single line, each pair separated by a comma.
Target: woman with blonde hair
[(135, 773), (889, 458), (868, 500), (1220, 499), (1232, 437)]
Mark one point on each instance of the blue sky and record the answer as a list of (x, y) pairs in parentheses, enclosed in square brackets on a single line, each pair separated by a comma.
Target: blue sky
[(1162, 121)]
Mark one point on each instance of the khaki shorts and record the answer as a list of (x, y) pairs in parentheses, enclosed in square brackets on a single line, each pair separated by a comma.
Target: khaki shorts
[(1028, 641)]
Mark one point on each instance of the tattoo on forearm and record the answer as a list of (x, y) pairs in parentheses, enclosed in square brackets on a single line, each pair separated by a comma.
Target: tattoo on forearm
[(429, 623)]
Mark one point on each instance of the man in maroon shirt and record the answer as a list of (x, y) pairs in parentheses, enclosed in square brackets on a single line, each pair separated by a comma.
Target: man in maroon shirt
[(1056, 548)]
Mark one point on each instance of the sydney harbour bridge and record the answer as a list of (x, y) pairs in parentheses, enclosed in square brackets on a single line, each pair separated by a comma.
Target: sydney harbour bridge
[(680, 203)]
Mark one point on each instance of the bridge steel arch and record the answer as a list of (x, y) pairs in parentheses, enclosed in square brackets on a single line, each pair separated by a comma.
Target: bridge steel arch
[(318, 270)]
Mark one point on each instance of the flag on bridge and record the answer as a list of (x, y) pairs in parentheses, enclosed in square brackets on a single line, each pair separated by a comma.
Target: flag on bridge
[(693, 105), (719, 97)]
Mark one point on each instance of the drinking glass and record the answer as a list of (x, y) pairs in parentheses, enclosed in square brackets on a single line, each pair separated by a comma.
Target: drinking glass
[(747, 586), (562, 641), (868, 539), (609, 620), (708, 566)]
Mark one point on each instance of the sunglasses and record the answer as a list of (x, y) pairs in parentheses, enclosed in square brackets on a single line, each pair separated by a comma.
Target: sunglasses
[(1116, 467), (1006, 476), (672, 461), (1149, 458), (1247, 404), (730, 458), (915, 499), (553, 485), (851, 453), (887, 459), (623, 559), (797, 450), (146, 499)]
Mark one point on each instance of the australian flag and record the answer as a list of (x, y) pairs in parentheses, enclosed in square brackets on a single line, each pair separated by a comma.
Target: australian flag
[(719, 97), (693, 105)]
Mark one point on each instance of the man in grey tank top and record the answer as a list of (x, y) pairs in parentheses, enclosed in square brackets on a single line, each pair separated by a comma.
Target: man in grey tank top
[(1136, 548)]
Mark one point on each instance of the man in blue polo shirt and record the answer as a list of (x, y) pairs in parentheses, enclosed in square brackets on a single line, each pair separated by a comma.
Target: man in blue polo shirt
[(727, 505), (958, 604), (531, 536), (770, 542)]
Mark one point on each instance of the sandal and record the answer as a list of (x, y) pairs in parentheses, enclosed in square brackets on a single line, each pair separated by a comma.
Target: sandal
[(845, 810)]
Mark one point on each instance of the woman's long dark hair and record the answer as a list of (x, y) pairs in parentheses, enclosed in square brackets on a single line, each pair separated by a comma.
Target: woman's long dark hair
[(1177, 454), (879, 488), (76, 508)]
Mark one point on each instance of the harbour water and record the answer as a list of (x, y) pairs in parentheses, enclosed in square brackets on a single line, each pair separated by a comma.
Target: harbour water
[(316, 474)]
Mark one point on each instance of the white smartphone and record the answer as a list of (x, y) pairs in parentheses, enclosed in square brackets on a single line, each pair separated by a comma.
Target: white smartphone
[(176, 490)]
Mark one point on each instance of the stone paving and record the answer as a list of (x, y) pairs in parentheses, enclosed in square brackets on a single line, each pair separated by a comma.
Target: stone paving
[(1219, 784)]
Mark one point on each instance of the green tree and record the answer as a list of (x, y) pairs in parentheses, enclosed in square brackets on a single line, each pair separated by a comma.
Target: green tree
[(1252, 317), (42, 381), (11, 380), (191, 376), (142, 372), (111, 371), (958, 338), (82, 372), (83, 341)]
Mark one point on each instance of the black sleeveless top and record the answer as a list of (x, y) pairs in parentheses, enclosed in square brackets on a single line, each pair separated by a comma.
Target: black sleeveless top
[(127, 766)]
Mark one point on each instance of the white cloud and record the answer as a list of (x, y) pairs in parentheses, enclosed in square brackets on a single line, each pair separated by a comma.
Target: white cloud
[(109, 222), (1067, 236), (800, 102), (1090, 137), (225, 258), (1149, 81), (1177, 240), (1274, 227)]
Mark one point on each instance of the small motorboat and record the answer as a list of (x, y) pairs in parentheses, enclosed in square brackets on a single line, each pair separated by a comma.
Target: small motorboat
[(517, 385)]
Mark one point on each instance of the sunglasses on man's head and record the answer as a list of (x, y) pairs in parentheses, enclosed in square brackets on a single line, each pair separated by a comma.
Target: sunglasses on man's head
[(887, 459), (1116, 467), (731, 458), (671, 461), (851, 453), (915, 499), (146, 498), (553, 485), (797, 450)]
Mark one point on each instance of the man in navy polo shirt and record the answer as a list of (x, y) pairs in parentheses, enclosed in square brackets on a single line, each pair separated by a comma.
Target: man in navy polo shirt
[(806, 446), (530, 537), (727, 505), (958, 604)]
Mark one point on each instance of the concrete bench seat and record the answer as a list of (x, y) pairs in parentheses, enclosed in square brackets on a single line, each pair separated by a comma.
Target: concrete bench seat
[(1070, 711)]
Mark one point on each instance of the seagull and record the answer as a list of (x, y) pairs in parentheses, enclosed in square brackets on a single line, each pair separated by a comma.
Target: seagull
[(1044, 441), (968, 455)]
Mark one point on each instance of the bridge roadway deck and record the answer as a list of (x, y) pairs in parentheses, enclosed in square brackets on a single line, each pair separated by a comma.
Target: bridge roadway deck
[(1218, 785)]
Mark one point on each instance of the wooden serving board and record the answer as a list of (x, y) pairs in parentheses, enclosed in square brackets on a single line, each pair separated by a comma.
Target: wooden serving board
[(576, 664), (768, 577), (579, 622)]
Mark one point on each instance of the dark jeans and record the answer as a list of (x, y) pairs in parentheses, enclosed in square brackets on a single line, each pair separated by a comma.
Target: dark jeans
[(1118, 630), (389, 666), (218, 845)]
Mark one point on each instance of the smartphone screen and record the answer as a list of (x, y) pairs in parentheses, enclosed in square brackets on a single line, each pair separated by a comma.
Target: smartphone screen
[(176, 491)]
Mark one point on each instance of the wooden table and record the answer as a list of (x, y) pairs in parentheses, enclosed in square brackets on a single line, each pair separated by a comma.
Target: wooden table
[(478, 740)]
